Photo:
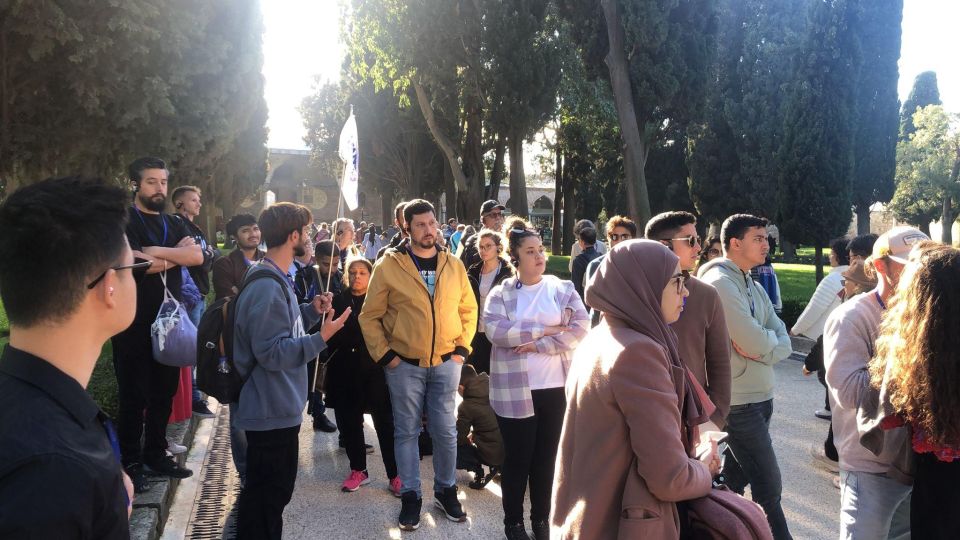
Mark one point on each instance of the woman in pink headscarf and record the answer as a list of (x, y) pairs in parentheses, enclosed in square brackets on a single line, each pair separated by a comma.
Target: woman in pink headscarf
[(628, 438)]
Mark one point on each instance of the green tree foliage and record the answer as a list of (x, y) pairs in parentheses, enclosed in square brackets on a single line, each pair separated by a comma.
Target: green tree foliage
[(86, 87), (924, 92), (928, 170), (817, 153), (877, 118)]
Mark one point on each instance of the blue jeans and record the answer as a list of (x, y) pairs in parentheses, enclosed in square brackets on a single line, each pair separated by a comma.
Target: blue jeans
[(413, 391), (754, 462), (195, 314), (238, 445), (873, 506)]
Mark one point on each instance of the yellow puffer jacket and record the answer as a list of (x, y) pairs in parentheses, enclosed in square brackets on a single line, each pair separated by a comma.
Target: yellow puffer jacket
[(400, 318)]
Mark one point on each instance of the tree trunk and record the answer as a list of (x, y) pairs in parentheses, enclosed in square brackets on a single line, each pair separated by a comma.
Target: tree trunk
[(5, 98), (818, 261), (500, 150), (863, 220), (450, 192), (788, 249), (386, 207), (518, 182), (946, 221), (634, 154), (569, 203), (555, 240), (473, 168), (446, 145)]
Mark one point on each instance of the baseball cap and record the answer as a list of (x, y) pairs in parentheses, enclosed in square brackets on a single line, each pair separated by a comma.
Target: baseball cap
[(897, 243), (490, 205)]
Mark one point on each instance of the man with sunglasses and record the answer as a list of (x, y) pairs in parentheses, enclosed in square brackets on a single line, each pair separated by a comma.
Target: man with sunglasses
[(702, 337), (60, 472), (145, 388), (491, 216), (759, 340)]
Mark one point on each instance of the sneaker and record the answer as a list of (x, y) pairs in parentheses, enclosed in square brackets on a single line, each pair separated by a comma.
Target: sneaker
[(355, 480), (368, 448), (174, 448), (447, 501), (167, 467), (322, 423), (541, 529), (823, 414), (821, 460), (201, 410), (410, 506), (137, 477), (395, 486), (515, 531)]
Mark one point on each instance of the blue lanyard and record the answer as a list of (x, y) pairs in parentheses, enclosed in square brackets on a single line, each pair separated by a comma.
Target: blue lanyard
[(114, 443), (285, 274), (153, 238), (880, 300), (420, 270)]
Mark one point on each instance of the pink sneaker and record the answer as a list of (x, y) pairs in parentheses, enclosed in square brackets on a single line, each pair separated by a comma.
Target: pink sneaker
[(395, 486), (355, 480)]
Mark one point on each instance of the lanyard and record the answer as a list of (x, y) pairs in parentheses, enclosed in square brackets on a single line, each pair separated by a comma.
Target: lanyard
[(285, 274), (880, 300), (114, 443), (150, 235), (746, 280)]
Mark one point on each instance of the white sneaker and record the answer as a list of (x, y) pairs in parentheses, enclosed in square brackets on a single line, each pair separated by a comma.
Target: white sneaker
[(821, 460), (174, 448)]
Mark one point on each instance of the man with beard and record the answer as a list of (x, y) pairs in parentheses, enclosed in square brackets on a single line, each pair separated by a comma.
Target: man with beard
[(145, 388), (418, 320)]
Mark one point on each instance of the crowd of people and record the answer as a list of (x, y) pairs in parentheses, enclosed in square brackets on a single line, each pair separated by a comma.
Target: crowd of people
[(617, 398)]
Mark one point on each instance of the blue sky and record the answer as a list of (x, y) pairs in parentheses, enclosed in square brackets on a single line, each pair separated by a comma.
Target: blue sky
[(301, 43)]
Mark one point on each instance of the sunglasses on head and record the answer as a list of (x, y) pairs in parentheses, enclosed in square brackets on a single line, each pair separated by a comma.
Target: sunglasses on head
[(138, 269), (681, 278)]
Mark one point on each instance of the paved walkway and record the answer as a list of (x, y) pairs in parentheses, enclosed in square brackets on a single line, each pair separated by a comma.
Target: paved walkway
[(320, 510)]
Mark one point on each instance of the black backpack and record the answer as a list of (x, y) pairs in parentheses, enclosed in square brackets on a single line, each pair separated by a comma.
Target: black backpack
[(217, 375)]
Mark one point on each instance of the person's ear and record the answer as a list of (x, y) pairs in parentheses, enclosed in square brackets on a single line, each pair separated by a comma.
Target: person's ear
[(135, 186), (106, 289)]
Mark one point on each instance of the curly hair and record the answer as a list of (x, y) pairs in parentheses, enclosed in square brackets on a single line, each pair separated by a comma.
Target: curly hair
[(918, 347)]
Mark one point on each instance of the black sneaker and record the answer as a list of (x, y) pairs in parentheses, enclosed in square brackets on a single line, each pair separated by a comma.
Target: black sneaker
[(137, 477), (447, 501), (541, 529), (167, 467), (515, 531), (201, 410), (322, 423), (410, 506)]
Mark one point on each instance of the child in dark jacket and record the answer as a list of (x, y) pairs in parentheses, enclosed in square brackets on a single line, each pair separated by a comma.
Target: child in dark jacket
[(478, 436)]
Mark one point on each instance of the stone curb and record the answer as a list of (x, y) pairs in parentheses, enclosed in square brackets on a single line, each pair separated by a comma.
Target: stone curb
[(150, 509)]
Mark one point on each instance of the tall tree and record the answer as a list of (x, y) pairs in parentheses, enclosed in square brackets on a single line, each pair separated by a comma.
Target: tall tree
[(928, 170), (924, 92), (817, 154), (877, 112)]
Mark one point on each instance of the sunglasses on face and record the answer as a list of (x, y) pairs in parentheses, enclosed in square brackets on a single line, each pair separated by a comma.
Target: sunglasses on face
[(691, 241), (138, 269), (681, 278), (618, 237)]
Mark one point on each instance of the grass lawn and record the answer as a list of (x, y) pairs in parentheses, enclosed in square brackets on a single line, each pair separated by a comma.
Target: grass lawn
[(796, 280)]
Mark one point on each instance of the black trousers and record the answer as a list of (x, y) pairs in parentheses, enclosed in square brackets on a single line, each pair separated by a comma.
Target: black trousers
[(145, 391), (935, 501), (480, 357), (271, 474), (530, 446), (349, 415)]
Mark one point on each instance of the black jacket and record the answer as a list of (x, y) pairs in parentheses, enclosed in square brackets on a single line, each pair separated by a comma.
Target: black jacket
[(394, 242), (506, 270), (470, 255), (201, 273), (351, 372)]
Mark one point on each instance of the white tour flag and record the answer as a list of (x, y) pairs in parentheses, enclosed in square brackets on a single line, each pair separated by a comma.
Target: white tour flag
[(350, 154)]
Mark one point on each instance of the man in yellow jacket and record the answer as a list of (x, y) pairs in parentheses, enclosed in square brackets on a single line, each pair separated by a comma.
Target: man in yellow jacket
[(418, 320)]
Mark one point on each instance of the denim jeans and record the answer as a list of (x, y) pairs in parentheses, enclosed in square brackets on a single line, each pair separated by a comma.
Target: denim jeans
[(195, 314), (754, 462), (873, 506), (238, 445), (413, 391)]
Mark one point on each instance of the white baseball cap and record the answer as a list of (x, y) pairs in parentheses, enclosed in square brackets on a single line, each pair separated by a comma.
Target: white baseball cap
[(897, 243)]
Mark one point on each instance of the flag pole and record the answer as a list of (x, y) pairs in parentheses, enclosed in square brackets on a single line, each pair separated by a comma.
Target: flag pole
[(333, 246)]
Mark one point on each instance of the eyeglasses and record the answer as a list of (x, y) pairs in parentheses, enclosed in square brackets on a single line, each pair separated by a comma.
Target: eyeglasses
[(713, 251), (618, 237), (498, 215), (681, 278), (691, 241), (138, 268)]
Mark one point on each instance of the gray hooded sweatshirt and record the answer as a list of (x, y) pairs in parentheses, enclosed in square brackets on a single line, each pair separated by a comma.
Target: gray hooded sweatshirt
[(270, 345), (753, 325)]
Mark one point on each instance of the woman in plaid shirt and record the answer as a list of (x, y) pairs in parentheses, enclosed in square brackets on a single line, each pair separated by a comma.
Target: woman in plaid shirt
[(534, 323)]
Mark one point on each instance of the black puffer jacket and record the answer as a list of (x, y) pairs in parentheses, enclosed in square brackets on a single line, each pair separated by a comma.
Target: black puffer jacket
[(473, 273)]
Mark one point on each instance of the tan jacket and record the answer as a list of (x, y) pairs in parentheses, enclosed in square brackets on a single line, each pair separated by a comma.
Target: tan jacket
[(400, 318), (621, 466)]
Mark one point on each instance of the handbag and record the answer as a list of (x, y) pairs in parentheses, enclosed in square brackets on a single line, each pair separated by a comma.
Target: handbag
[(724, 515), (173, 335)]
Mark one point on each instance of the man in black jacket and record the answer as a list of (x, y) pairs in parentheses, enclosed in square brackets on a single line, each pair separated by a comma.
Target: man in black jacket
[(491, 215)]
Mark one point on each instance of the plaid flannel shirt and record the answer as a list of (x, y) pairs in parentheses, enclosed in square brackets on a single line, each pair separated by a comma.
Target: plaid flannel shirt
[(509, 382)]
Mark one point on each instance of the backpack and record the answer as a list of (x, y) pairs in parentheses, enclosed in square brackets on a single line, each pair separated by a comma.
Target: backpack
[(217, 374)]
